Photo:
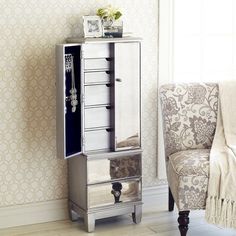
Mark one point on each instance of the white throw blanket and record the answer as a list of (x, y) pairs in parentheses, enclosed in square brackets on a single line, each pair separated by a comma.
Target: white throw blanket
[(221, 200)]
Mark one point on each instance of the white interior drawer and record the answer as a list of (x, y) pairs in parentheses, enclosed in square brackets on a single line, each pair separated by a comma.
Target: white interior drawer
[(97, 117), (97, 94), (96, 50), (97, 140), (97, 64), (96, 77)]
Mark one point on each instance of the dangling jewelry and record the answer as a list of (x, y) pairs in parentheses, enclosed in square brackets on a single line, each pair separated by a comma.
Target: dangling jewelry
[(69, 68)]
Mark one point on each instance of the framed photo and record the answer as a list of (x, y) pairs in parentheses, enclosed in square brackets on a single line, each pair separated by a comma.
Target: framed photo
[(92, 26)]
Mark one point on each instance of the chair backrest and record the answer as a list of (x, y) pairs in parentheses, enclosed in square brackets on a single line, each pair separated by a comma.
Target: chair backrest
[(189, 113)]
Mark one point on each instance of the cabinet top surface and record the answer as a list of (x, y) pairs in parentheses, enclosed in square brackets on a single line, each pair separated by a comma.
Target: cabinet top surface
[(102, 40)]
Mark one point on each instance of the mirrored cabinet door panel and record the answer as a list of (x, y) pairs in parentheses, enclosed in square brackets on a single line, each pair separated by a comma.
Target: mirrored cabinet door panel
[(127, 95)]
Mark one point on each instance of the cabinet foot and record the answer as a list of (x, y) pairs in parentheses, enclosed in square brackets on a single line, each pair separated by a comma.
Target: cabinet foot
[(137, 214), (73, 216), (89, 223)]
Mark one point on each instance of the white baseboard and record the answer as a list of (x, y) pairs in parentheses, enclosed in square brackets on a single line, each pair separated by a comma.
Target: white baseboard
[(152, 193), (33, 213), (42, 212), (156, 190)]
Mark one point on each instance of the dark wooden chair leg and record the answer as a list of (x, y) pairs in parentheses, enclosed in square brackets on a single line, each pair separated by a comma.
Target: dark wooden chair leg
[(171, 201), (183, 222)]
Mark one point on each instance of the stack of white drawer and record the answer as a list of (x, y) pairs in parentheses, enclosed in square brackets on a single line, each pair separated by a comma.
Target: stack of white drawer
[(97, 90)]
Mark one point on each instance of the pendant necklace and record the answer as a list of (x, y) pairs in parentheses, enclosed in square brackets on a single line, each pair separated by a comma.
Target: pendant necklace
[(69, 68)]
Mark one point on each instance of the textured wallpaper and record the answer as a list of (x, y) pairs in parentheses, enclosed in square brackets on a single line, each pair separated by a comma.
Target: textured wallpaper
[(29, 169)]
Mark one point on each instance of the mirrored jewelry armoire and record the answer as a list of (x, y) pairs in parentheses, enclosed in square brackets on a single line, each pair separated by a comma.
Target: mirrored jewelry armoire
[(99, 126)]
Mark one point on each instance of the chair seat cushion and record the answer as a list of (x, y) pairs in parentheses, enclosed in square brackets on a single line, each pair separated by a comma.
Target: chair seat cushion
[(187, 175), (191, 162)]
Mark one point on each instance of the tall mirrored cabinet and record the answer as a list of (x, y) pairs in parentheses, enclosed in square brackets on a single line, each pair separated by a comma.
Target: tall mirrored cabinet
[(99, 126)]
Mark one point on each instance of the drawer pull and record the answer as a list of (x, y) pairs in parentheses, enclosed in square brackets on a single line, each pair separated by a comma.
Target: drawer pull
[(118, 79), (108, 107), (108, 85), (116, 191), (109, 129), (108, 59)]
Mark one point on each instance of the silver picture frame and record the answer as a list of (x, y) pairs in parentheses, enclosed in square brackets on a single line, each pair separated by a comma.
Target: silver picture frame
[(92, 26)]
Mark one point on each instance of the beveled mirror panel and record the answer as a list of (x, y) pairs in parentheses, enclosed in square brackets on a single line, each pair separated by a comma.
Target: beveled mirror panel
[(108, 169), (102, 195), (127, 95)]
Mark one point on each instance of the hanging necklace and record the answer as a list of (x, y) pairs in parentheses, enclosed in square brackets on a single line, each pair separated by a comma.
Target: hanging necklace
[(69, 68)]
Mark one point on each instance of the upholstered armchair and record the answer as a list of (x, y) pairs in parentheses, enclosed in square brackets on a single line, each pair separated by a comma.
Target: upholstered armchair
[(189, 113)]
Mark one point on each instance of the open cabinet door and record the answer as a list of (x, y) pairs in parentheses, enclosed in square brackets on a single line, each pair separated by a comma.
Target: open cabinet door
[(69, 115), (127, 95)]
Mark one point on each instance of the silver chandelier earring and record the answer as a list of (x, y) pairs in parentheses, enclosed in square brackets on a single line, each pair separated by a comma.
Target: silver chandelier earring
[(69, 68)]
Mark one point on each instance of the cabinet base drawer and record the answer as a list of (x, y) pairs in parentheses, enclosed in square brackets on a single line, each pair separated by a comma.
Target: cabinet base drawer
[(108, 169), (110, 193)]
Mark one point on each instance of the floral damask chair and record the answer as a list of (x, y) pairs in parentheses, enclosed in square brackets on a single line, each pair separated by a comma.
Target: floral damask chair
[(189, 113)]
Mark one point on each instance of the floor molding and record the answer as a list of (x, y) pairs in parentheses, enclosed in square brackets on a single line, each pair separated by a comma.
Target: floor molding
[(33, 213), (42, 212), (155, 190), (151, 193)]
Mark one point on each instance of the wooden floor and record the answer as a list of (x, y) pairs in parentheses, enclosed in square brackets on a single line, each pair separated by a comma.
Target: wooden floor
[(156, 221)]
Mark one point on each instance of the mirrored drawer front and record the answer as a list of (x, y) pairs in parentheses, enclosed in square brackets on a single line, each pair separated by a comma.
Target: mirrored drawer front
[(114, 168), (96, 77), (102, 195), (97, 139), (96, 64), (97, 117), (96, 50), (97, 94)]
